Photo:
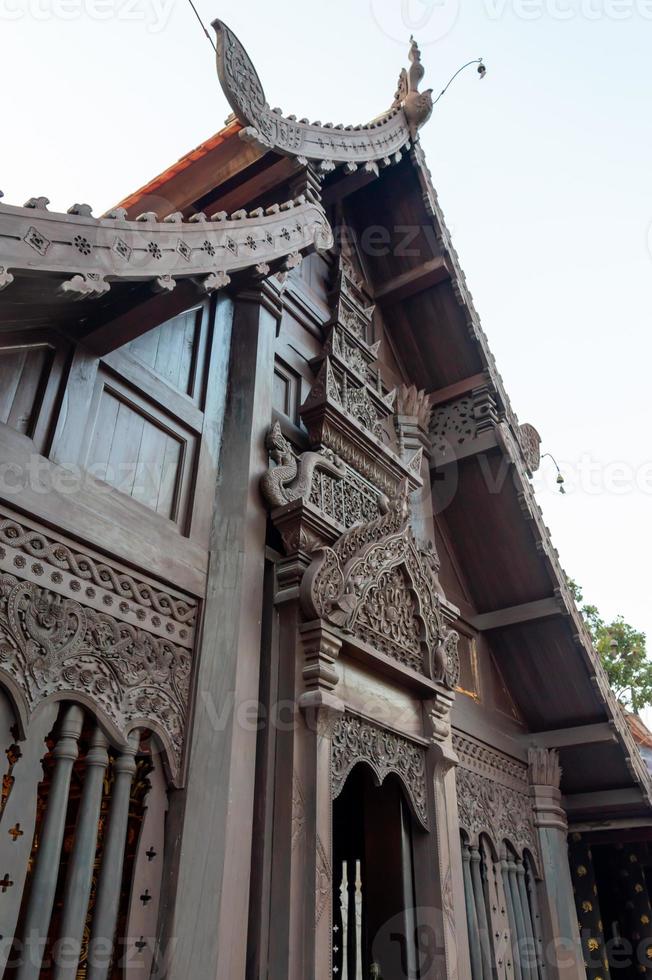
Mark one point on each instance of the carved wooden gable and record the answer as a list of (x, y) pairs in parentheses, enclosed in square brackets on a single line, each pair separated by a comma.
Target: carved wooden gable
[(377, 584)]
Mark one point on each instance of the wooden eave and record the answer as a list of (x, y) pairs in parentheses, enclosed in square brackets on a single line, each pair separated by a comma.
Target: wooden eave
[(499, 535)]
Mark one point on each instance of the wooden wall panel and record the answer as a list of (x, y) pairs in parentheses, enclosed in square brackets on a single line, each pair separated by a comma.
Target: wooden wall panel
[(23, 371), (135, 455), (171, 350)]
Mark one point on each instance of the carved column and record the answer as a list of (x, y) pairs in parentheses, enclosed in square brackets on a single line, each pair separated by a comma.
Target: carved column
[(561, 934), (447, 825)]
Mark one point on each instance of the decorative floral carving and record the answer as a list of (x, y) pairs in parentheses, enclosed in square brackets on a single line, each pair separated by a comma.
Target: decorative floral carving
[(37, 545), (355, 739), (292, 477), (94, 252), (376, 584), (488, 807), (51, 644), (411, 401), (530, 442)]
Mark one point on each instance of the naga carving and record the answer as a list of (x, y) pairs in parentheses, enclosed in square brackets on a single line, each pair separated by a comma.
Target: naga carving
[(291, 478), (377, 584)]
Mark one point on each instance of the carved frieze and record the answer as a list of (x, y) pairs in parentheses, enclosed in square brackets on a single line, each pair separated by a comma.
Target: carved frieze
[(378, 142), (93, 252), (375, 583), (355, 739), (50, 645), (72, 625), (493, 796)]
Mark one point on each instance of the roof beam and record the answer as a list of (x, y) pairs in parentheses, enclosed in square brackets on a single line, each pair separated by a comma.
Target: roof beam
[(429, 273), (440, 395), (539, 609), (560, 738), (603, 799)]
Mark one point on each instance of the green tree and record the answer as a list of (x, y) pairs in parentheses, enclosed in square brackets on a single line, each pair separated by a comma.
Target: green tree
[(621, 649)]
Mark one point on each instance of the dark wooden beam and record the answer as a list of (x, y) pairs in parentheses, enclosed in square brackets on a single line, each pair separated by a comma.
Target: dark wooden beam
[(136, 318), (457, 389), (560, 738), (539, 609), (414, 281), (603, 799)]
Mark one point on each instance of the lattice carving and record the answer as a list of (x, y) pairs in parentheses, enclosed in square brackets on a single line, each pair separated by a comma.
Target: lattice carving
[(377, 584), (355, 739)]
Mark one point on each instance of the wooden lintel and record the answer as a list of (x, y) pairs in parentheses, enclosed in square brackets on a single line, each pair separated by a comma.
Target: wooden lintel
[(539, 609), (603, 799), (413, 281), (578, 735), (440, 395)]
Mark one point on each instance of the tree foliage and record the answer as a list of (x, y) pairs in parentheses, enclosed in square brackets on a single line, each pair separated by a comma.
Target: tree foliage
[(622, 650)]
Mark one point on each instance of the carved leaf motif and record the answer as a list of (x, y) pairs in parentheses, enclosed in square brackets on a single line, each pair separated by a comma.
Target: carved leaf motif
[(356, 740), (50, 644)]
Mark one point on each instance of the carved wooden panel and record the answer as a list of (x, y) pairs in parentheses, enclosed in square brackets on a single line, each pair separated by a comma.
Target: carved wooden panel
[(140, 935), (72, 624), (355, 739), (493, 796)]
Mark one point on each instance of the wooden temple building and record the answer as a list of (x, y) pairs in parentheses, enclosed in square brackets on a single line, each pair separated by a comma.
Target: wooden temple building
[(292, 684)]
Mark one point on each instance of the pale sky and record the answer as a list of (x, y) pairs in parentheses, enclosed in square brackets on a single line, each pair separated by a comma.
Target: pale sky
[(544, 171)]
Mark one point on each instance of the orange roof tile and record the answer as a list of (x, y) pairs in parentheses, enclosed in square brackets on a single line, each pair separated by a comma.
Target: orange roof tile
[(182, 164)]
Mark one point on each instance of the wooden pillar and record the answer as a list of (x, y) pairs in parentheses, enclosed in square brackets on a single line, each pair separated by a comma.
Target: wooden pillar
[(562, 948), (44, 881), (320, 709), (449, 845), (80, 871), (208, 936), (108, 893)]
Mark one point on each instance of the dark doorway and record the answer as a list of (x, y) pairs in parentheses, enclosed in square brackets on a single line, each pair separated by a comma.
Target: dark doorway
[(374, 928)]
